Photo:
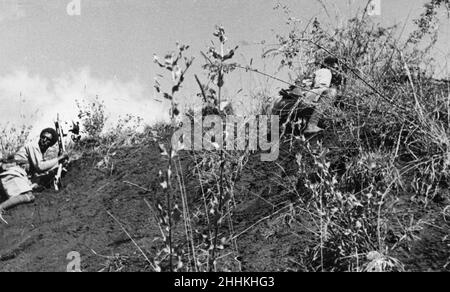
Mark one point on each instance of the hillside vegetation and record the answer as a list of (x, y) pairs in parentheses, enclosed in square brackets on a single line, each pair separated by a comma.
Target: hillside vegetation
[(370, 194)]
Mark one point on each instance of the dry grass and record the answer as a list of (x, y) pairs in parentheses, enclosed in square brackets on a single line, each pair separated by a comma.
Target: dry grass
[(392, 139)]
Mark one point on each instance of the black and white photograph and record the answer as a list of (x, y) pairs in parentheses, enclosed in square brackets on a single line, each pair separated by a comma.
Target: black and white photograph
[(236, 139)]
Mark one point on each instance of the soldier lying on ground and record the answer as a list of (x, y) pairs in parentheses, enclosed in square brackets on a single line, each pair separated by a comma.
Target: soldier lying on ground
[(28, 170)]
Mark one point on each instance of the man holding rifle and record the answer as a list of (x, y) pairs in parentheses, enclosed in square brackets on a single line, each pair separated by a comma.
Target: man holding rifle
[(29, 170)]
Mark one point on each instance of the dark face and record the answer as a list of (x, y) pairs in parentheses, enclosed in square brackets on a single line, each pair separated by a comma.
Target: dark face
[(45, 141), (337, 76), (335, 67)]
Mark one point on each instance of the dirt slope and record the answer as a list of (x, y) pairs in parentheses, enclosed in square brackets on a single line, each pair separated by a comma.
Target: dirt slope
[(40, 235)]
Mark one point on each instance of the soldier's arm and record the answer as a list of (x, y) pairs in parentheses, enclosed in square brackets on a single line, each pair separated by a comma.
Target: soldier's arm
[(37, 160)]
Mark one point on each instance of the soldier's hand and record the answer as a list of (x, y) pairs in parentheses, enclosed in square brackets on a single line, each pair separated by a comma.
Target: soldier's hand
[(64, 157)]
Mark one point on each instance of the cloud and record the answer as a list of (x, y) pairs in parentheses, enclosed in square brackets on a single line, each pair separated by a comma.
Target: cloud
[(11, 10), (28, 99)]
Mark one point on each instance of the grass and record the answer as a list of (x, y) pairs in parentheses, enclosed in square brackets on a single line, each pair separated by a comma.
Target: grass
[(391, 140), (12, 138), (346, 195)]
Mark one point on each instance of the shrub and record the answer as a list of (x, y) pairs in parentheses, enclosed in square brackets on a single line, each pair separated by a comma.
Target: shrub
[(92, 115), (12, 138)]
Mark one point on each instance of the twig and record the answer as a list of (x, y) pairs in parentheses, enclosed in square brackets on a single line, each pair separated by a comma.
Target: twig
[(259, 221), (134, 242), (135, 185), (201, 88)]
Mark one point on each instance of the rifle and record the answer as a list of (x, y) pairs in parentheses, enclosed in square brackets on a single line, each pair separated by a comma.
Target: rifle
[(57, 181)]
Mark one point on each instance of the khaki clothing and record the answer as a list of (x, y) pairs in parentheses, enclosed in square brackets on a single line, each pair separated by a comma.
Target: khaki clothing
[(322, 78), (321, 97), (313, 95), (14, 181), (322, 82), (32, 159), (30, 163)]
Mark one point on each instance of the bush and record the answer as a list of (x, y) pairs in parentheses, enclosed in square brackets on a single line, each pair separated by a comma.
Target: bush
[(92, 115), (12, 138), (393, 140), (352, 211)]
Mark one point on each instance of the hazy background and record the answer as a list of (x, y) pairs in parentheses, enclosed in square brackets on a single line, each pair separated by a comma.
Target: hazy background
[(48, 58)]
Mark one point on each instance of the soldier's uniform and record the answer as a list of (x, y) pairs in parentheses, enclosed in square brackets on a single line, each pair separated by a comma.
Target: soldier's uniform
[(15, 175)]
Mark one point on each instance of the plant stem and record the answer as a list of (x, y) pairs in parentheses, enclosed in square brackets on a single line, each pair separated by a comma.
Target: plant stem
[(219, 209)]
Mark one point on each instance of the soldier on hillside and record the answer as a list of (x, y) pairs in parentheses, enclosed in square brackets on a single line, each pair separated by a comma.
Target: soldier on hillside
[(322, 93), (28, 170)]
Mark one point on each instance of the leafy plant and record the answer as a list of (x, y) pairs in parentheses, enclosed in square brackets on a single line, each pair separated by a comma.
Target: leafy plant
[(12, 138), (177, 65), (92, 115)]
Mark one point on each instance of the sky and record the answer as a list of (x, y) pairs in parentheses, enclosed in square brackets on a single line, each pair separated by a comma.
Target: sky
[(49, 58)]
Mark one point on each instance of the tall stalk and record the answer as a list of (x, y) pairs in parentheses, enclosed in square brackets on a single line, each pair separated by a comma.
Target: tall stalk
[(171, 63), (217, 68), (219, 213)]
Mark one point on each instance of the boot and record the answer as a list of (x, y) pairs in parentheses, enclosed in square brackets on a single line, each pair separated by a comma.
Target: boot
[(312, 123)]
